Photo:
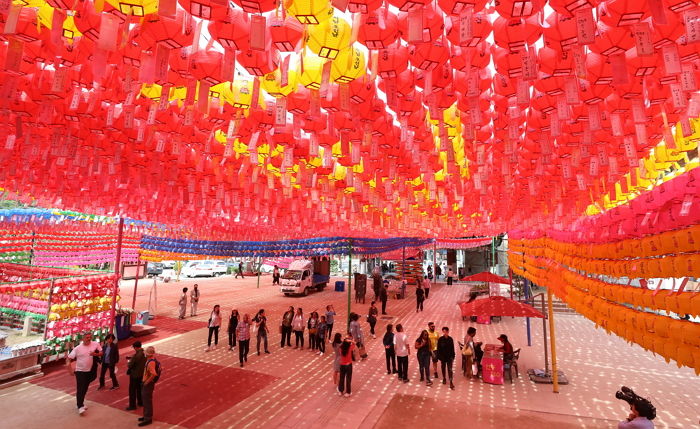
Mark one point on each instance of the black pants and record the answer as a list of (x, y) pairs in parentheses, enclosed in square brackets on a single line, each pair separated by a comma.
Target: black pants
[(135, 384), (344, 385), (261, 334), (286, 336), (383, 306), (243, 350), (232, 339), (419, 304), (213, 330), (447, 364), (82, 381), (275, 279), (312, 340), (390, 359), (449, 281), (299, 339), (147, 394), (329, 327), (427, 293), (372, 324), (112, 375), (321, 343), (403, 367), (424, 365)]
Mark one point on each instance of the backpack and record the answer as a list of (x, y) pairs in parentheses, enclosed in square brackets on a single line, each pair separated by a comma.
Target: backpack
[(158, 369)]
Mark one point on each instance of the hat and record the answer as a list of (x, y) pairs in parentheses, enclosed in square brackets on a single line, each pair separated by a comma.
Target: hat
[(136, 344)]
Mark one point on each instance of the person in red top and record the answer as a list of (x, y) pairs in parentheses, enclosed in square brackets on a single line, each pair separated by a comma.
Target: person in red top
[(346, 350), (506, 348)]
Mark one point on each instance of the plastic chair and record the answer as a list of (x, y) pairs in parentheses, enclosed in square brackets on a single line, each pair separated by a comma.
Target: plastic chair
[(510, 364)]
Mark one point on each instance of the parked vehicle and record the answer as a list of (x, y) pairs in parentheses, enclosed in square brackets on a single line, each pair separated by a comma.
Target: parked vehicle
[(154, 269), (305, 275), (220, 268), (198, 269), (168, 265)]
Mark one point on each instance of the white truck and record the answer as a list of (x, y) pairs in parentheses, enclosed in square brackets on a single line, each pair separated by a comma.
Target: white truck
[(305, 275)]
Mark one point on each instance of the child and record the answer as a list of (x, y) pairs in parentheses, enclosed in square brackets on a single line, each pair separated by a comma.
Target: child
[(321, 336)]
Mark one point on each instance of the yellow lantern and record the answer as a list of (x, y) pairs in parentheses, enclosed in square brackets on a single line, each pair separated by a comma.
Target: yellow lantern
[(271, 83), (45, 16), (135, 7), (313, 69), (239, 93), (309, 11), (329, 38), (348, 65)]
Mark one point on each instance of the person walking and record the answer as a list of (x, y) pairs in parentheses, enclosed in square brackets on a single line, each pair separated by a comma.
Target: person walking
[(321, 336), (110, 357), (214, 325), (330, 318), (151, 375), (403, 351), (372, 318), (423, 354), (434, 336), (337, 341), (286, 327), (261, 323), (389, 350), (243, 334), (232, 324), (86, 355), (426, 286), (183, 303), (345, 382), (276, 275), (383, 297), (420, 297), (446, 354), (298, 328), (438, 272), (312, 324), (134, 369), (240, 270), (450, 275), (470, 365), (356, 331), (194, 300), (377, 284)]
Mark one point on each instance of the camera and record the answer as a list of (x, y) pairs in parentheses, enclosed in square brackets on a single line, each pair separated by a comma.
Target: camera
[(642, 405)]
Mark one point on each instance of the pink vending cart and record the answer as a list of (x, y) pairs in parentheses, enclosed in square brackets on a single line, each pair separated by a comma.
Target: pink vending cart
[(492, 365)]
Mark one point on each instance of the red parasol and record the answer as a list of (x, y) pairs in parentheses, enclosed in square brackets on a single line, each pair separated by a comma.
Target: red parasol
[(486, 276), (498, 306)]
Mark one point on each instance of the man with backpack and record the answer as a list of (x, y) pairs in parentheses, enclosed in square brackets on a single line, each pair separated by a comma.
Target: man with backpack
[(150, 377)]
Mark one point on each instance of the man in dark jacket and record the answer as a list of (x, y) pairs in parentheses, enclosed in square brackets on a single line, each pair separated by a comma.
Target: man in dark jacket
[(446, 354), (110, 357), (383, 297), (135, 368)]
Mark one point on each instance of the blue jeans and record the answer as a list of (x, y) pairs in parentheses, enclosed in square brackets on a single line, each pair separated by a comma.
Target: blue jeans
[(424, 365)]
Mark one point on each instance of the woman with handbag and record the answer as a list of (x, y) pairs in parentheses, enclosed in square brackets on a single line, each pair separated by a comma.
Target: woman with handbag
[(214, 325), (372, 318), (469, 364)]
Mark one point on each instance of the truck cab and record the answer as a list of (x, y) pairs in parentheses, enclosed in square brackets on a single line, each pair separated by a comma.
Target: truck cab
[(304, 275)]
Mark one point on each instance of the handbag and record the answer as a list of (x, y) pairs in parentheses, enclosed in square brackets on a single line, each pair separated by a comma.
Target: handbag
[(467, 351), (362, 352)]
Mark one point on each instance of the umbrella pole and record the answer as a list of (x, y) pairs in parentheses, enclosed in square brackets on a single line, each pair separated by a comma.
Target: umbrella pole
[(555, 375), (527, 319), (544, 333)]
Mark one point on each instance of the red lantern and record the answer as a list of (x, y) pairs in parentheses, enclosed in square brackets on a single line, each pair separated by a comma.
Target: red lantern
[(463, 58), (598, 69), (612, 40), (256, 6), (206, 66), (362, 90), (286, 34), (392, 61), (555, 63), (233, 32), (515, 34), (298, 102), (407, 5), (568, 7), (405, 83), (259, 63), (428, 56), (363, 6), (433, 25), (205, 9), (456, 7), (378, 29), (481, 29), (617, 13), (561, 32), (517, 8), (173, 33)]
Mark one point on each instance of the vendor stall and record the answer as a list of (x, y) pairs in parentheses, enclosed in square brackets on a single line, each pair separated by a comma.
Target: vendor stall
[(492, 364)]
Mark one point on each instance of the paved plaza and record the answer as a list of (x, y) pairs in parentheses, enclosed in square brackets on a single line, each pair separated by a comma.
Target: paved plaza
[(292, 388)]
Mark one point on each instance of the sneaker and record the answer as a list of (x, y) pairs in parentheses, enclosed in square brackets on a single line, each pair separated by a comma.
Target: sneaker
[(320, 353), (266, 352), (339, 392), (207, 349), (100, 387), (435, 375), (452, 386), (145, 422), (81, 410), (115, 387), (429, 383), (347, 395)]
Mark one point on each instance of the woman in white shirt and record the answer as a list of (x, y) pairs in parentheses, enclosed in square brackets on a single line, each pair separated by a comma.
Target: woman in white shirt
[(214, 325), (403, 350), (298, 328)]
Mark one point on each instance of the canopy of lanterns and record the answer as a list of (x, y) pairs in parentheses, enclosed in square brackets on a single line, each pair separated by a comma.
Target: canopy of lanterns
[(303, 118)]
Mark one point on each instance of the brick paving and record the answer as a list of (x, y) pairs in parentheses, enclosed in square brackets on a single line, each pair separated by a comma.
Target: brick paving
[(301, 390)]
